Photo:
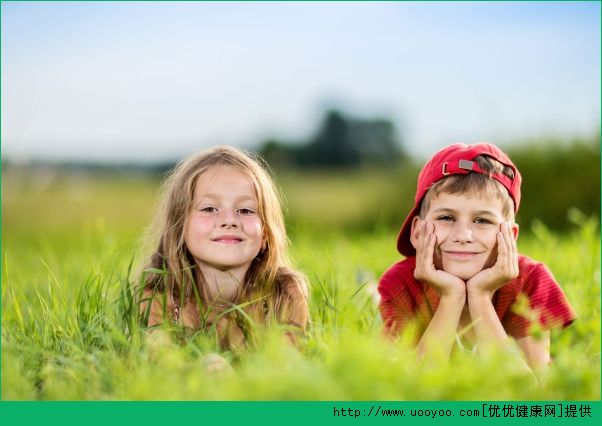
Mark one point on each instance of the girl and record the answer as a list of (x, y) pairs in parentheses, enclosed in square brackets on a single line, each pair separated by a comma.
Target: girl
[(219, 258)]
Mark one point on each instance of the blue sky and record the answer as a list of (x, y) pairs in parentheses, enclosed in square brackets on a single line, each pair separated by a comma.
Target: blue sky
[(156, 81)]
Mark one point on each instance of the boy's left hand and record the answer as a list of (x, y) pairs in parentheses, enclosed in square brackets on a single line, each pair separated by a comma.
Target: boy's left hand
[(505, 268)]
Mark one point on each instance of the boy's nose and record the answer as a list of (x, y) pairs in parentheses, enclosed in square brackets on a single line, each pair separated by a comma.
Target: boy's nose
[(463, 233)]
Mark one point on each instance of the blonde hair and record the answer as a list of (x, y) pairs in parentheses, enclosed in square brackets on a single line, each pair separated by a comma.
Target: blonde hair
[(470, 183), (172, 269)]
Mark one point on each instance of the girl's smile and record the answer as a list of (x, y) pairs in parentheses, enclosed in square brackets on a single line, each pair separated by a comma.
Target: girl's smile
[(228, 239)]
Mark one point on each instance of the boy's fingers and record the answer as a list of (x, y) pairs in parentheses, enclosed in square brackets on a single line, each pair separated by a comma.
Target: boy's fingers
[(502, 253), (507, 250), (505, 236), (510, 244), (502, 250), (424, 256), (513, 251), (430, 242), (430, 249), (422, 234), (420, 244), (420, 249)]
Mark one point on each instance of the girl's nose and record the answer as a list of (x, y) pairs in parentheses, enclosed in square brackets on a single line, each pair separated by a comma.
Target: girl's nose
[(228, 218)]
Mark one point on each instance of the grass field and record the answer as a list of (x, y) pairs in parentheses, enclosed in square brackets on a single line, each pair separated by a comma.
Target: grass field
[(69, 332)]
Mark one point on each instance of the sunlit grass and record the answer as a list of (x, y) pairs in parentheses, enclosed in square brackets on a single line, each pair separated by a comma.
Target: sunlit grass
[(69, 326)]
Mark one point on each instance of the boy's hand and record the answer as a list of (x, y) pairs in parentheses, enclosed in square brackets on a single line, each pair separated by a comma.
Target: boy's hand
[(505, 268), (444, 283)]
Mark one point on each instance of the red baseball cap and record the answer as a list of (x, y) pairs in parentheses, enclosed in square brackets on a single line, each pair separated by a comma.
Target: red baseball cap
[(456, 159)]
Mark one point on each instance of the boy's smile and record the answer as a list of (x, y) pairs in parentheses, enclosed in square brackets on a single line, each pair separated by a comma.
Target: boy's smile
[(461, 255), (466, 230)]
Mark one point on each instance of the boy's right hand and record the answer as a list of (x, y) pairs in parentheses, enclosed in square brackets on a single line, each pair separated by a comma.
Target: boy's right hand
[(444, 283)]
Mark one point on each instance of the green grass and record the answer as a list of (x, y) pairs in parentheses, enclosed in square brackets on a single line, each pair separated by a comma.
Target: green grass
[(69, 329)]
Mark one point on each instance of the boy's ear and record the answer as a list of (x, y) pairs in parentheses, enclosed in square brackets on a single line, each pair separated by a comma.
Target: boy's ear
[(415, 230)]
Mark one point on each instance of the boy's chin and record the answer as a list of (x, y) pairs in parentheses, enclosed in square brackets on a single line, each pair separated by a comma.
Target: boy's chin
[(461, 270), (467, 276), (463, 273)]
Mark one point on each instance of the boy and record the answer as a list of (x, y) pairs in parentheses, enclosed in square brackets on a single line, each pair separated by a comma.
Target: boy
[(462, 270)]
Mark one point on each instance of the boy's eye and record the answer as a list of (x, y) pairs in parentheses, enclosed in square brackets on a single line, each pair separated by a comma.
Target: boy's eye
[(245, 211), (445, 218), (482, 221)]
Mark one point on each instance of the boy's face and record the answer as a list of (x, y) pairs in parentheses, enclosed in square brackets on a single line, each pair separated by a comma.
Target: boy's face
[(466, 229)]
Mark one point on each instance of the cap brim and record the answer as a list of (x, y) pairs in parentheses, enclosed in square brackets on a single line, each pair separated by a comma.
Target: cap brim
[(404, 244)]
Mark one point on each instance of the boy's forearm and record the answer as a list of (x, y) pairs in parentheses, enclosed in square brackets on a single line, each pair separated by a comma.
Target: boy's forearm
[(440, 334), (487, 326), (490, 332)]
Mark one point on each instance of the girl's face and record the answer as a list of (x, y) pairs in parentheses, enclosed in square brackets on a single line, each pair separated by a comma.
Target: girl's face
[(466, 230), (224, 231)]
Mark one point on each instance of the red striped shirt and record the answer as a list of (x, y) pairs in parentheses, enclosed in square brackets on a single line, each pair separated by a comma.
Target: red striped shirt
[(405, 299)]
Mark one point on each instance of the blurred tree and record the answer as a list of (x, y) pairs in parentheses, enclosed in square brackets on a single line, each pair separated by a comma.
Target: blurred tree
[(340, 142), (332, 145)]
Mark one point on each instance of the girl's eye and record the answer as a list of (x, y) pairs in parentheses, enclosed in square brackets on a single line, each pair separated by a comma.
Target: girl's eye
[(208, 209), (245, 211)]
